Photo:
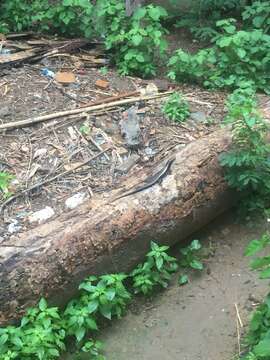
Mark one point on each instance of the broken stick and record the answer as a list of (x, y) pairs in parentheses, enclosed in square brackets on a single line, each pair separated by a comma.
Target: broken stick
[(32, 121)]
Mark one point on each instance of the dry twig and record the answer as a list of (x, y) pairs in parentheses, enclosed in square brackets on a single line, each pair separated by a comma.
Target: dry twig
[(36, 120)]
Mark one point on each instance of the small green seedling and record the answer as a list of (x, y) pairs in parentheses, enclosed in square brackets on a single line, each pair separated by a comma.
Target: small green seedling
[(190, 259), (5, 179), (176, 108), (93, 348), (104, 70), (156, 270), (85, 129)]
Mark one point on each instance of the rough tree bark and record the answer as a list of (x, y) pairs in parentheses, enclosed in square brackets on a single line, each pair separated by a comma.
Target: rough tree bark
[(100, 237)]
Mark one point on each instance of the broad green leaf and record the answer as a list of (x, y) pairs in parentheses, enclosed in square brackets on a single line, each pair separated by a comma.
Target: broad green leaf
[(260, 262), (79, 334), (137, 39), (183, 279), (253, 247), (110, 294), (42, 304), (195, 264), (3, 339), (263, 348), (195, 245), (265, 274), (92, 306), (106, 311)]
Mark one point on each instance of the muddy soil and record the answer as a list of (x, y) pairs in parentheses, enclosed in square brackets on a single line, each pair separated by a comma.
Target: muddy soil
[(196, 321)]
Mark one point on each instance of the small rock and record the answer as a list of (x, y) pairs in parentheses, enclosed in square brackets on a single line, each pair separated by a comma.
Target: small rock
[(102, 84), (151, 89), (14, 226), (5, 111), (75, 200), (25, 149), (128, 163), (41, 215), (111, 129), (162, 84), (198, 116), (225, 231), (130, 128)]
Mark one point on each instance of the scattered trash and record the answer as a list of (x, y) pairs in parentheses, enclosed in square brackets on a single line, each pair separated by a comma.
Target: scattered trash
[(41, 215), (149, 152), (48, 73), (75, 200), (72, 133), (128, 163), (102, 84), (130, 128), (65, 78), (14, 226), (5, 51)]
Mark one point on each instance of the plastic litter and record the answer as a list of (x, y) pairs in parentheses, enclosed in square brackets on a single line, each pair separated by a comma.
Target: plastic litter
[(48, 73), (75, 200), (41, 215), (5, 51)]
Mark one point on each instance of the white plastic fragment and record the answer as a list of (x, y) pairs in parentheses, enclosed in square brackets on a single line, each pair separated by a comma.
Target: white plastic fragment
[(75, 200), (41, 215), (14, 226)]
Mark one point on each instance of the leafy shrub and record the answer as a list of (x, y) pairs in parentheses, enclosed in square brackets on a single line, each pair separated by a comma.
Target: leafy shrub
[(40, 335), (201, 19), (133, 41), (257, 339), (257, 15), (176, 108), (247, 163), (68, 17), (236, 57), (106, 296), (155, 271)]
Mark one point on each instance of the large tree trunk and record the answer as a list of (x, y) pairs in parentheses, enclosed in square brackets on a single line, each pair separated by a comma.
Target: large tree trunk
[(100, 237)]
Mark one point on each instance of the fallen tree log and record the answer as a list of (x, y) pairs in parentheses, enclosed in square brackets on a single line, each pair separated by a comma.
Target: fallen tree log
[(103, 236)]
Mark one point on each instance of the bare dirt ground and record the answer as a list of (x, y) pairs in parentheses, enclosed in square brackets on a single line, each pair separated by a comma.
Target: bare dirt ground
[(196, 321)]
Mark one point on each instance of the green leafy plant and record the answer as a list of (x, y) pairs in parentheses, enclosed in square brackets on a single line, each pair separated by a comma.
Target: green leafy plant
[(201, 19), (106, 296), (257, 15), (93, 348), (5, 179), (133, 41), (176, 108), (247, 163), (190, 259), (156, 270), (69, 17), (261, 264), (236, 57), (257, 338), (40, 335)]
